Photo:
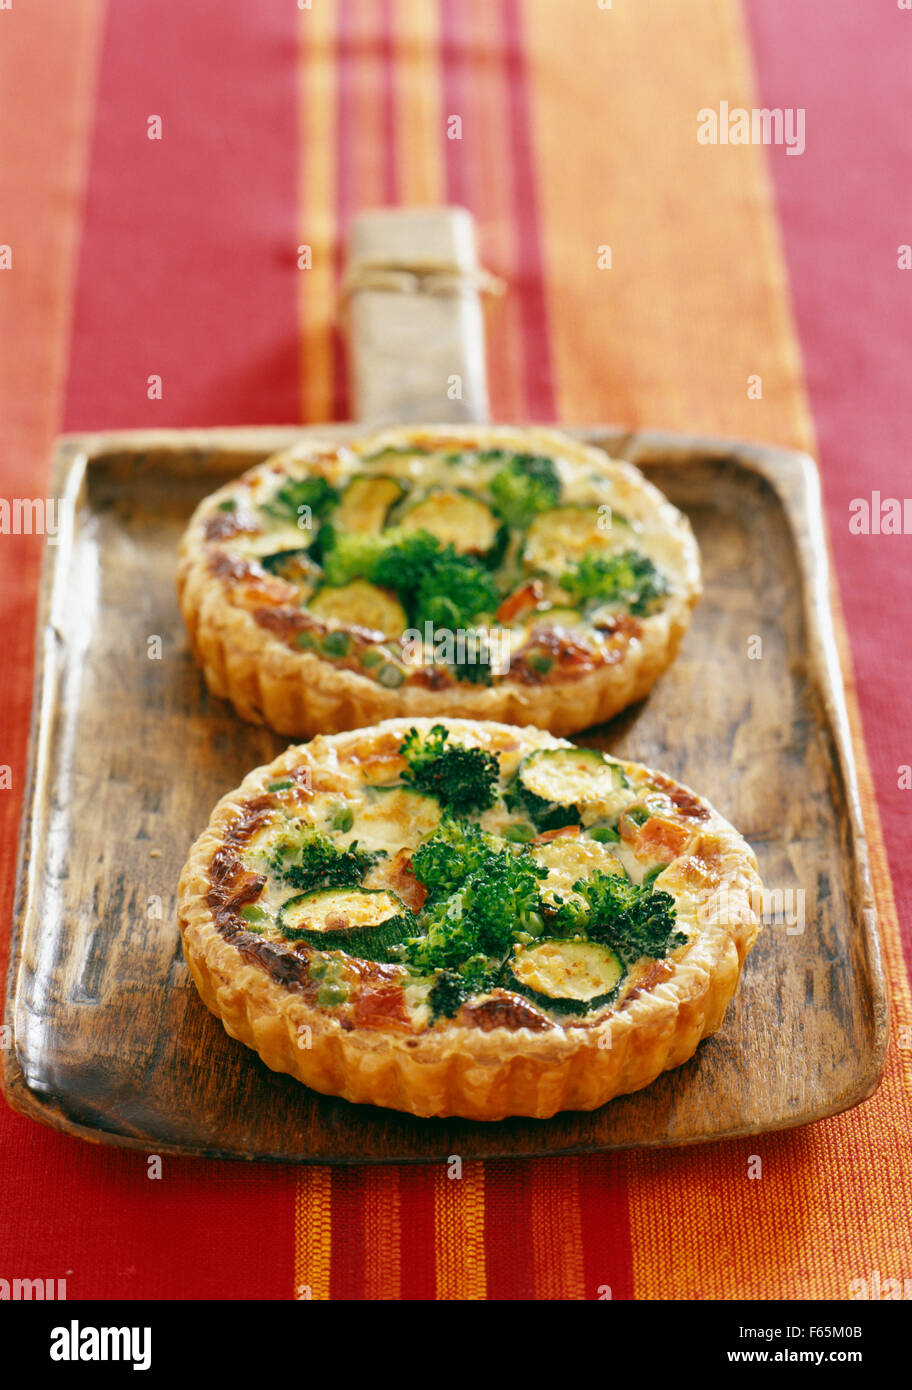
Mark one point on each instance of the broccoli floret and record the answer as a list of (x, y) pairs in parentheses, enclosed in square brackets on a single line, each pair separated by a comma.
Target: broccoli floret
[(632, 918), (472, 929), (453, 591), (297, 493), (630, 578), (403, 560), (321, 863), (349, 555), (433, 582), (394, 559), (448, 993), (451, 988), (477, 667), (482, 895), (455, 850), (462, 779), (526, 485)]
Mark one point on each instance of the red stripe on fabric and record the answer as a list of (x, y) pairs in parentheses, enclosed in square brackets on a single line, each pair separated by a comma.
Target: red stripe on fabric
[(348, 1234), (605, 1219), (455, 47), (188, 269), (846, 208), (509, 1254), (416, 1198), (201, 1230), (528, 278), (357, 45)]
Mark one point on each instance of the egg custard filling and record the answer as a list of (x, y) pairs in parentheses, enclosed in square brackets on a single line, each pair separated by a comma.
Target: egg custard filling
[(462, 917), (418, 570), (463, 875)]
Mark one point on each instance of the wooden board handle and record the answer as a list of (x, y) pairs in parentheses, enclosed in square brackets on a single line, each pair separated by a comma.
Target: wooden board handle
[(416, 334)]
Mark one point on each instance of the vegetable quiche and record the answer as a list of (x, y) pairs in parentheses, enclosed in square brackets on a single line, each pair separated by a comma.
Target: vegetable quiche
[(488, 573), (461, 918)]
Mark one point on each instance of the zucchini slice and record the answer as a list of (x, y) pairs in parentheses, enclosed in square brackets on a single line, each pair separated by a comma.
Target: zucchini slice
[(366, 503), (397, 451), (566, 976), (456, 519), (565, 534), (553, 783), (361, 604), (293, 566), (568, 858), (277, 540), (361, 921)]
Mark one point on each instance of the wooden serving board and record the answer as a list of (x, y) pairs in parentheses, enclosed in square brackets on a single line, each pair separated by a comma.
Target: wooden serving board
[(129, 754)]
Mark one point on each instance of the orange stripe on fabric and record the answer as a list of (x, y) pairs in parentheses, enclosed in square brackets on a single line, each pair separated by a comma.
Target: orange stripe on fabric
[(316, 202), (459, 1228), (667, 337), (382, 1216), (694, 302), (418, 102), (364, 158), (557, 1236), (54, 50), (313, 1233), (832, 1204), (51, 50)]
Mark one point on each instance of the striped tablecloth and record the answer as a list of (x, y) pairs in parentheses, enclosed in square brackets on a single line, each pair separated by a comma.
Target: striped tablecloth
[(177, 257)]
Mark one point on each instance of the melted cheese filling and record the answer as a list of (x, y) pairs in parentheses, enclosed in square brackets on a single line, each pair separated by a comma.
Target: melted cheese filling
[(435, 495), (390, 818)]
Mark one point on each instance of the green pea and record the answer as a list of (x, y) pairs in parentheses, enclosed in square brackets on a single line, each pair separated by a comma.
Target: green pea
[(327, 995), (539, 663), (305, 640), (336, 643), (390, 675)]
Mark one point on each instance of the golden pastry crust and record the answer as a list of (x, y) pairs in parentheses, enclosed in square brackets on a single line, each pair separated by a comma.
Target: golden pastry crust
[(492, 1060), (243, 635)]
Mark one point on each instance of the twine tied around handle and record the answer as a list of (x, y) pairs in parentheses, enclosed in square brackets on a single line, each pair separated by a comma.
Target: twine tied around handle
[(398, 279)]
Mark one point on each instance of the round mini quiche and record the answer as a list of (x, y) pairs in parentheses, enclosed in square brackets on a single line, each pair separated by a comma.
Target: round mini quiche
[(489, 573), (463, 918)]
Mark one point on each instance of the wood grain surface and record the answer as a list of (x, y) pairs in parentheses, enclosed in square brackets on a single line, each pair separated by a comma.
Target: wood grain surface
[(129, 754)]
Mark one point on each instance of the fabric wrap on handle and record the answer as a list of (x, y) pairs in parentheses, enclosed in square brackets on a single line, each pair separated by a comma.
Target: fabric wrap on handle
[(412, 291)]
